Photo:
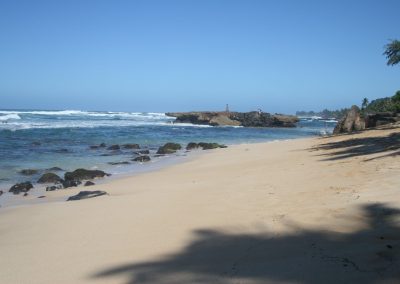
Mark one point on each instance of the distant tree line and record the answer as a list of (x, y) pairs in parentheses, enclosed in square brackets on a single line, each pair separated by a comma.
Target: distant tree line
[(326, 113)]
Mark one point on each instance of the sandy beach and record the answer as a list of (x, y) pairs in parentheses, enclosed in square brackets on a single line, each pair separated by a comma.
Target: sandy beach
[(319, 210)]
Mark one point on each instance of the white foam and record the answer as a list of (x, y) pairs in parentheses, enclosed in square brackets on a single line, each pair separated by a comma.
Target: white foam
[(7, 117)]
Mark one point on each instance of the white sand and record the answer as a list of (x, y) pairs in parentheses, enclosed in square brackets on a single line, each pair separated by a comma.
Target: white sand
[(278, 212)]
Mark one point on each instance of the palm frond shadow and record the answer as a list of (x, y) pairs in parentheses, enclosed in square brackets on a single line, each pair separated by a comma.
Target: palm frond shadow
[(366, 256), (358, 147)]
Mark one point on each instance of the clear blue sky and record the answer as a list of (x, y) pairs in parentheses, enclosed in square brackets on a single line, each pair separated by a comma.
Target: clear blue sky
[(281, 56)]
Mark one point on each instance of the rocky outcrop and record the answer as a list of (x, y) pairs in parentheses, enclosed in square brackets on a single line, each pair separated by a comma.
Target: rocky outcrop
[(86, 195), (49, 178), (381, 118), (83, 174), (21, 187), (169, 148), (352, 121), (246, 119)]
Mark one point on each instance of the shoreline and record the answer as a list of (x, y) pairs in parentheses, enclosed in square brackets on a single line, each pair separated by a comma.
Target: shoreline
[(10, 200), (312, 210)]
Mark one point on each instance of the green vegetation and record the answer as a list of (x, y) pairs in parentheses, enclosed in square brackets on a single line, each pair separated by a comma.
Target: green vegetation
[(389, 104), (392, 52)]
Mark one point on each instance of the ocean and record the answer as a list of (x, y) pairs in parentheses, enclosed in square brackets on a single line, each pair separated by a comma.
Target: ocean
[(33, 139)]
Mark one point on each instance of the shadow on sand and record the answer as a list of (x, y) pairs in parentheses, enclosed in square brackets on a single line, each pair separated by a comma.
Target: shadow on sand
[(369, 255), (361, 147)]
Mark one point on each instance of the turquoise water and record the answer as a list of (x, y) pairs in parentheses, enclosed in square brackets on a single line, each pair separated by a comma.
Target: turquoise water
[(43, 139)]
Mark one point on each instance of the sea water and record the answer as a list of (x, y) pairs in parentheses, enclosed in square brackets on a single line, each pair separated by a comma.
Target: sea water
[(33, 139)]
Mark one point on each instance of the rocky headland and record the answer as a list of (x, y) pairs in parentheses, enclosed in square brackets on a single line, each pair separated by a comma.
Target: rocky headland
[(246, 119), (355, 120)]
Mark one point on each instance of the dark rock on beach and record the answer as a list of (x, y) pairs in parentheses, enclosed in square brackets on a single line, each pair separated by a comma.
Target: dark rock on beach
[(82, 174), (169, 148), (89, 183), (131, 146), (114, 147), (21, 187), (86, 195), (70, 183), (49, 178), (1, 192), (54, 187), (142, 159), (28, 172)]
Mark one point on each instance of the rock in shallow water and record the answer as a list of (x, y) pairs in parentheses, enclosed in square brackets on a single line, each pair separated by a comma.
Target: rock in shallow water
[(56, 169), (141, 159), (142, 152), (28, 172), (89, 183), (21, 187), (86, 194), (114, 147), (169, 148), (82, 174), (204, 146), (131, 146), (119, 163), (49, 178)]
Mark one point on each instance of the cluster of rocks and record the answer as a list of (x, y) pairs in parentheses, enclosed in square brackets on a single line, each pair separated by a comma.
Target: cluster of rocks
[(71, 179), (246, 119), (77, 177), (354, 120), (116, 149)]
